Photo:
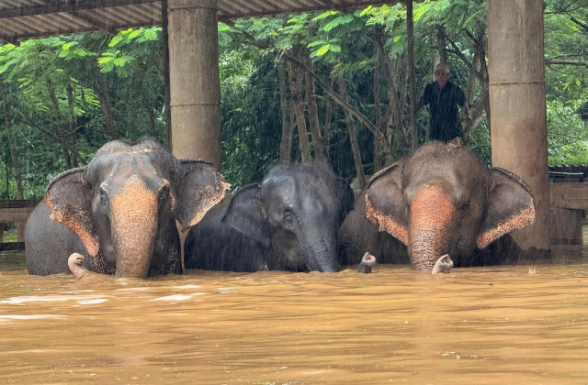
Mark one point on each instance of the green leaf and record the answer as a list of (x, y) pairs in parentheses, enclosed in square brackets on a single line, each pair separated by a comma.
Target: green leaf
[(115, 40), (324, 15), (339, 20), (104, 60), (134, 34), (64, 53), (316, 42), (469, 19), (323, 50), (335, 48), (68, 45), (366, 11)]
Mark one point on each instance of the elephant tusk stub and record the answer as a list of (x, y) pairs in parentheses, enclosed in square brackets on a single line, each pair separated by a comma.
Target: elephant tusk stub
[(443, 265)]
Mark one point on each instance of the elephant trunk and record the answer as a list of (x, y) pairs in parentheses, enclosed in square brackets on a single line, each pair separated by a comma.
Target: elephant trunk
[(134, 229), (431, 217), (323, 257)]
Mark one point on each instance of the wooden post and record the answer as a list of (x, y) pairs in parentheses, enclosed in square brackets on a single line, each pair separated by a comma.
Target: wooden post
[(194, 79), (166, 91), (517, 101)]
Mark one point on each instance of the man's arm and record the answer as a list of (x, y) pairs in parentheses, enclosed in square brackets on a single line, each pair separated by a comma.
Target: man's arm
[(420, 104)]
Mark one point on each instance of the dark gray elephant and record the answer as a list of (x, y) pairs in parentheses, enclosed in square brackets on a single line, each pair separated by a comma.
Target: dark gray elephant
[(440, 200), (121, 211), (288, 222)]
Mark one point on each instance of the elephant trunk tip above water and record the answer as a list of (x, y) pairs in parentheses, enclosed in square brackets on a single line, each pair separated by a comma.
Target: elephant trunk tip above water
[(120, 211), (442, 200)]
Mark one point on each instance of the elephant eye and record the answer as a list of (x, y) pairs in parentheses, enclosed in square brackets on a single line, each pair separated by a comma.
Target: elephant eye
[(289, 219), (464, 206), (103, 198), (164, 193)]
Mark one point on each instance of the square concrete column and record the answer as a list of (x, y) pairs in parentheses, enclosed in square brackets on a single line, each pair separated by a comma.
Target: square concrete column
[(194, 80), (517, 102)]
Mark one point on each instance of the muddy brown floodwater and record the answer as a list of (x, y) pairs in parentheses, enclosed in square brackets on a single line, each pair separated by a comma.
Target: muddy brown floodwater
[(493, 325)]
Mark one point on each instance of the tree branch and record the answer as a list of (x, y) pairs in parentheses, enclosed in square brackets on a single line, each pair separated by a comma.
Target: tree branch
[(580, 63)]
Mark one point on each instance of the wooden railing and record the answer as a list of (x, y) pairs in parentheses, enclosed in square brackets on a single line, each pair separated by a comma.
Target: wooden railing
[(15, 211)]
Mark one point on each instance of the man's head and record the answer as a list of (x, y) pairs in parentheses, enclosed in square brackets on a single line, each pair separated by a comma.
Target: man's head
[(441, 74)]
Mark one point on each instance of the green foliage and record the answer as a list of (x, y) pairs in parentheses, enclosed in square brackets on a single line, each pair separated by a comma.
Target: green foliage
[(251, 127), (52, 86), (567, 135), (55, 86)]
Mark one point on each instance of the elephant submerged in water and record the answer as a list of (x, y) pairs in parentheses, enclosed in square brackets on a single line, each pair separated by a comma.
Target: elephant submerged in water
[(121, 211), (287, 222), (440, 200)]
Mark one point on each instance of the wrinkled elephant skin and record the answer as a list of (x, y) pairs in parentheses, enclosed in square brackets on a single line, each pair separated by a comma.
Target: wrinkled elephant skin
[(287, 222), (440, 200), (120, 212)]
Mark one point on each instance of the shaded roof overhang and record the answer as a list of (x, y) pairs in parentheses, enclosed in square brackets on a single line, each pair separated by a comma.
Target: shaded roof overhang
[(25, 19)]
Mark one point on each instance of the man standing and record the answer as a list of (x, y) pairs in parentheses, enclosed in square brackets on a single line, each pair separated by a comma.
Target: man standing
[(443, 98)]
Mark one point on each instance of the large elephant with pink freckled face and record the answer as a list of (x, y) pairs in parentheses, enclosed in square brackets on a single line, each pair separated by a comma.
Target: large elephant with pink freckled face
[(440, 200), (120, 212)]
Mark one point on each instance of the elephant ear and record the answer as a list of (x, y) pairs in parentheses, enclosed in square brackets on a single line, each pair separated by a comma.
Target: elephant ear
[(68, 196), (344, 194), (201, 187), (246, 214), (384, 202), (510, 207)]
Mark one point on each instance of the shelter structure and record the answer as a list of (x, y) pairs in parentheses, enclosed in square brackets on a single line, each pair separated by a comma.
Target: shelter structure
[(516, 66)]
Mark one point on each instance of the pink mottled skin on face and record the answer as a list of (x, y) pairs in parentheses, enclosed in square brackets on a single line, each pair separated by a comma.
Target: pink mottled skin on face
[(431, 213)]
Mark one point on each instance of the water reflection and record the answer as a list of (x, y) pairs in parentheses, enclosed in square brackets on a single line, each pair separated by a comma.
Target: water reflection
[(477, 325)]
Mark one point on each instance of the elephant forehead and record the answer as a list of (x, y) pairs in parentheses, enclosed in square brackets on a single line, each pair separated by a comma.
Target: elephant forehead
[(133, 199), (303, 197), (433, 201), (115, 171), (457, 185)]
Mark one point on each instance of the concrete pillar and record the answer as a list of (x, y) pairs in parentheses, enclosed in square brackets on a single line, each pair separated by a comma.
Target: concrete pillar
[(194, 80), (517, 102)]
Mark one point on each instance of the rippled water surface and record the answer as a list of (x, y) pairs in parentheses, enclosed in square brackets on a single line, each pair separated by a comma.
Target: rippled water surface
[(499, 325)]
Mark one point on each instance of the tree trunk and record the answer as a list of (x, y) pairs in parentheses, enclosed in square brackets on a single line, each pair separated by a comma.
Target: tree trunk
[(353, 139), (61, 133), (339, 99), (101, 90), (13, 150), (328, 116), (295, 83), (379, 155), (287, 129), (71, 137), (441, 44), (317, 139), (414, 140), (391, 123)]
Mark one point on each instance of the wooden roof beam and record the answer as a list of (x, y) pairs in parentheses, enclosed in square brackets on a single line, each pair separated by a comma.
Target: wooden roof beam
[(59, 7)]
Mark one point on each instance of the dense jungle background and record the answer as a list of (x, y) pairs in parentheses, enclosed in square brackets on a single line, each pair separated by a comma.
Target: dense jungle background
[(330, 86)]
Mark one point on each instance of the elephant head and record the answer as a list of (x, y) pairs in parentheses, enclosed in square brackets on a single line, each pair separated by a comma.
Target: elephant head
[(123, 205), (295, 211), (444, 200)]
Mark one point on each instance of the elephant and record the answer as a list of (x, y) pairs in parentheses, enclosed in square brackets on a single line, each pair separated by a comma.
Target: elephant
[(287, 222), (440, 200), (120, 211)]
